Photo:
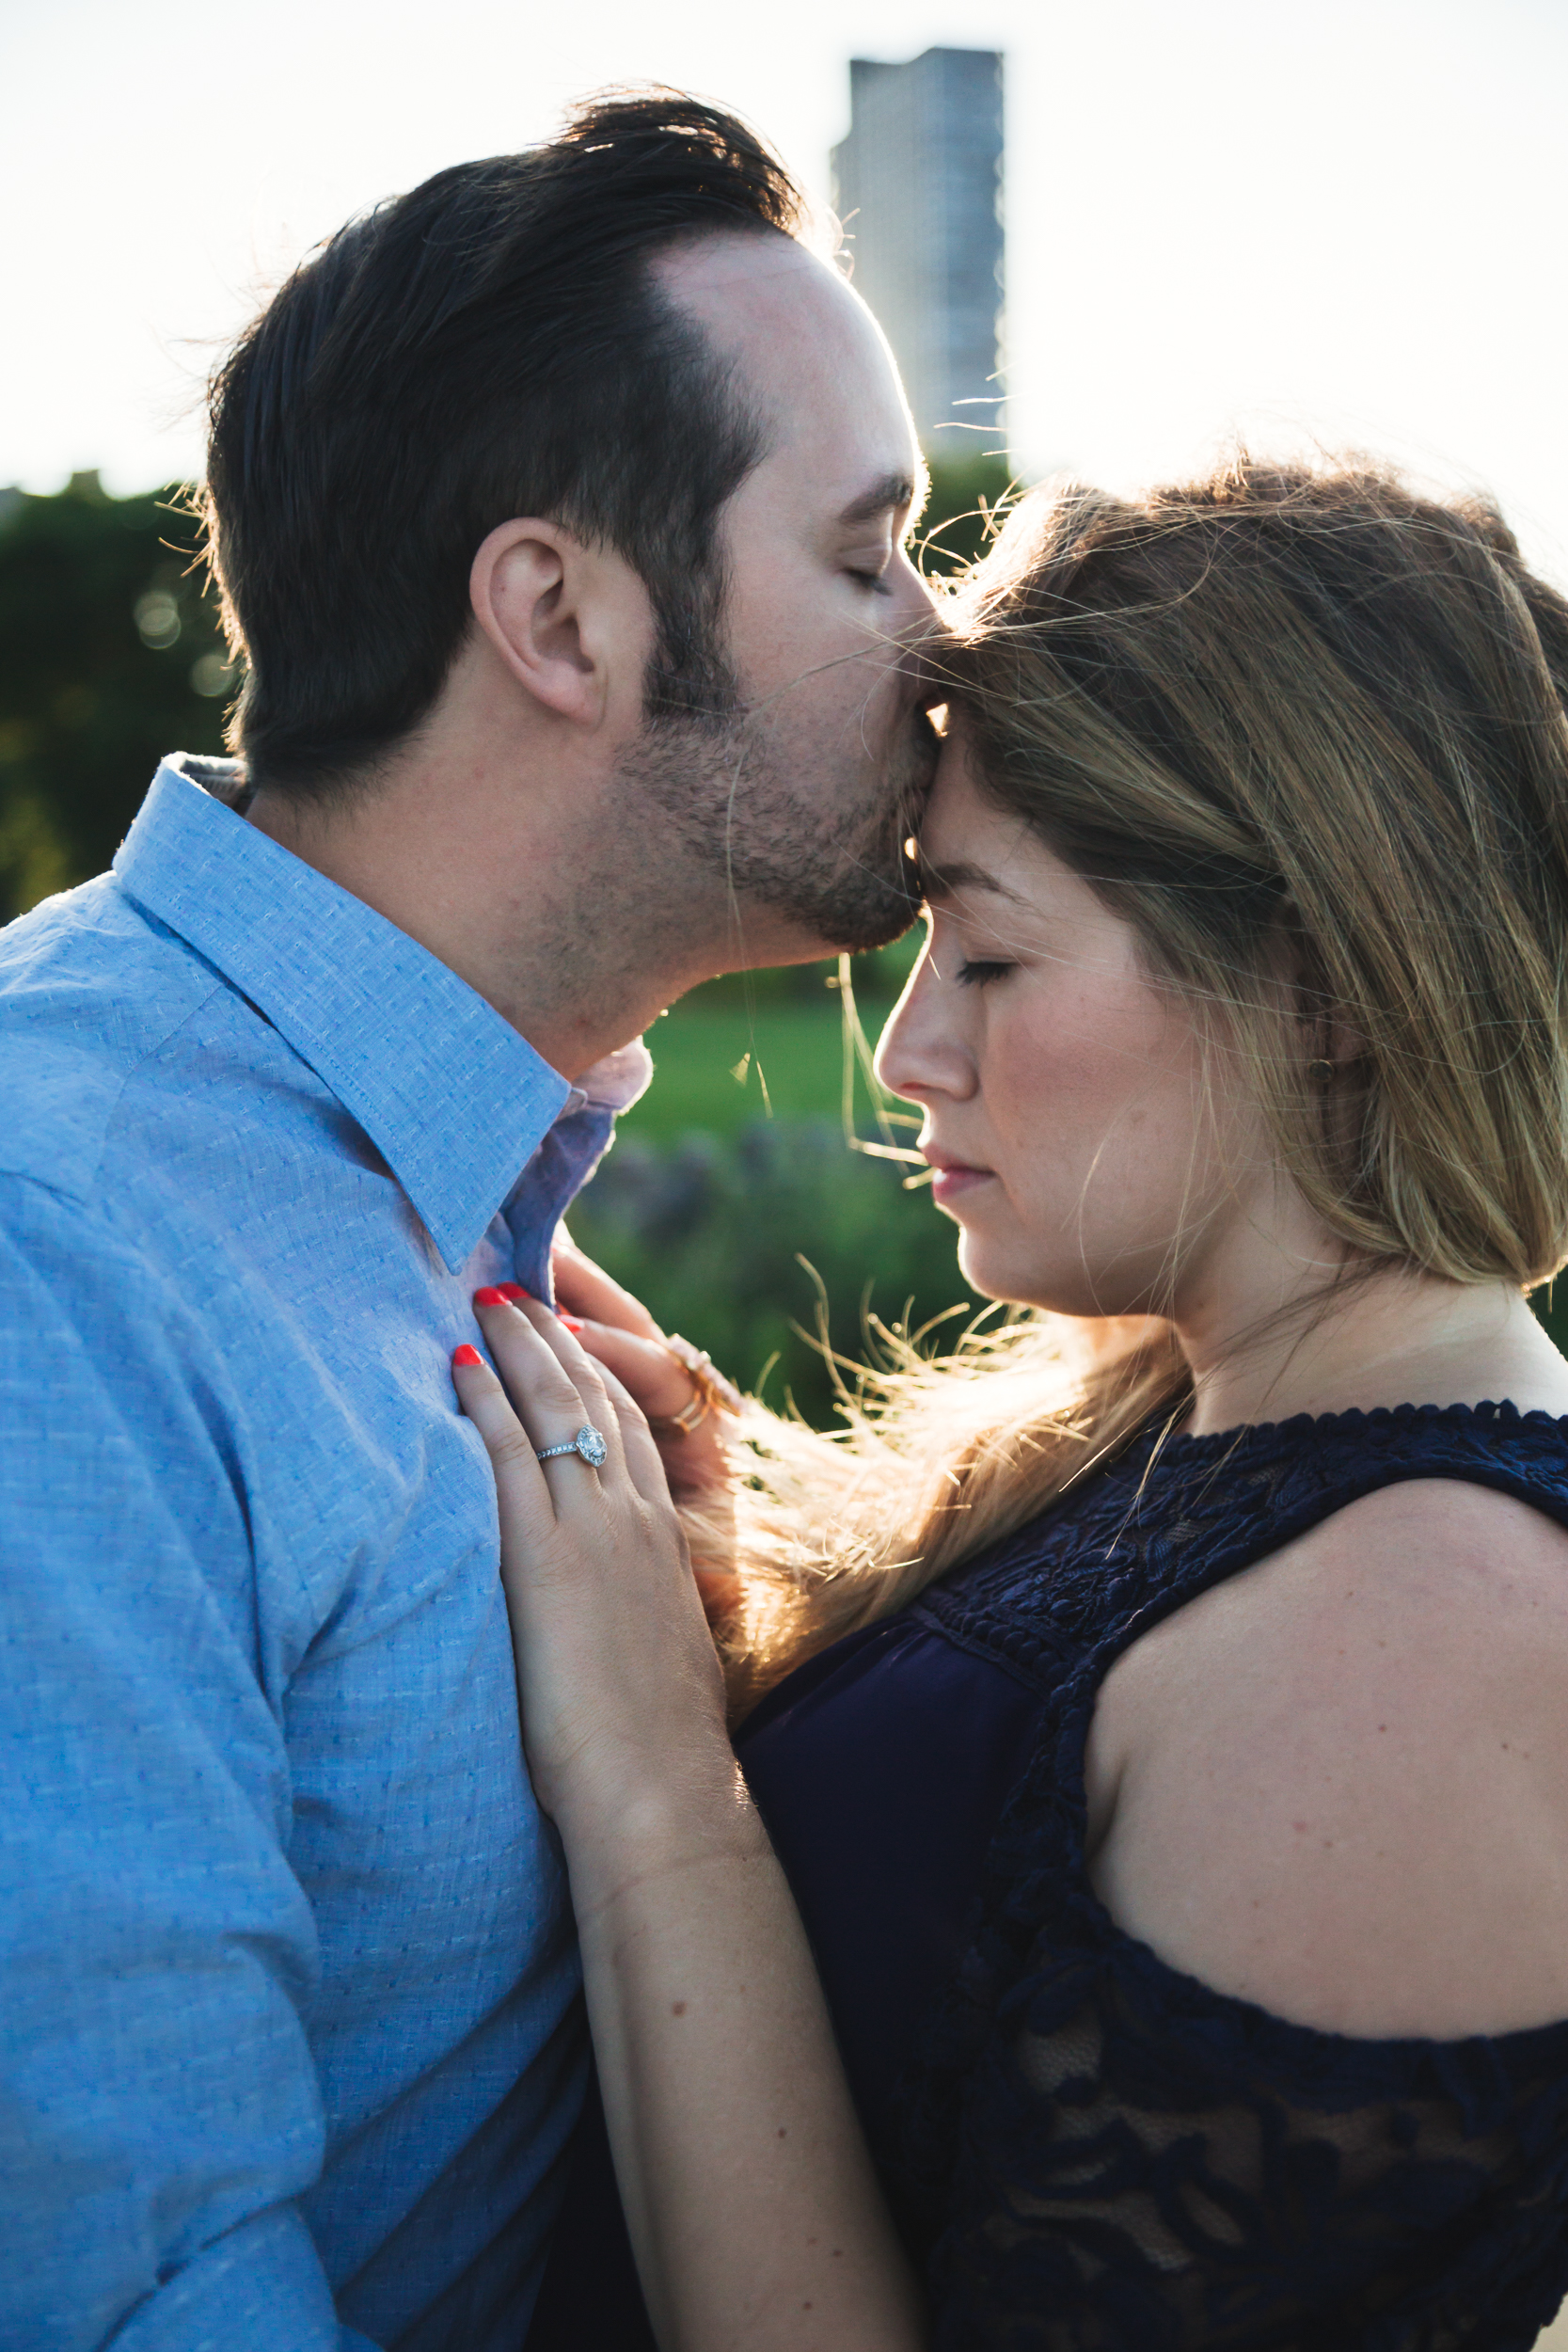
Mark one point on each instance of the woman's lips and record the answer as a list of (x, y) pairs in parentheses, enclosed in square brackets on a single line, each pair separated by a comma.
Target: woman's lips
[(953, 1179)]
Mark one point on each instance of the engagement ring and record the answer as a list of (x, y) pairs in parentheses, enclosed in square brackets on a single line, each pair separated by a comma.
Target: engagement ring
[(587, 1442)]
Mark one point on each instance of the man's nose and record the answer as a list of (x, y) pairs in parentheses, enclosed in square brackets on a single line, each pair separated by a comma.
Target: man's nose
[(919, 595), (921, 641)]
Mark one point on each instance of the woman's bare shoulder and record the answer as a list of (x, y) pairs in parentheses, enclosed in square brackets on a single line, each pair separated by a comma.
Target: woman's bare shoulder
[(1338, 1784)]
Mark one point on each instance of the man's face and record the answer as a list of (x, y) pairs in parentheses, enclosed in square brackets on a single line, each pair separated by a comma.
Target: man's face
[(806, 797)]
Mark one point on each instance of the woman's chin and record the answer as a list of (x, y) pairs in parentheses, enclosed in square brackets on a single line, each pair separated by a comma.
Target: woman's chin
[(992, 1272), (1014, 1278)]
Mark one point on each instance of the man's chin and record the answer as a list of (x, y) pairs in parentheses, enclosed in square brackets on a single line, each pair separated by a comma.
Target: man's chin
[(874, 930), (877, 896), (869, 903)]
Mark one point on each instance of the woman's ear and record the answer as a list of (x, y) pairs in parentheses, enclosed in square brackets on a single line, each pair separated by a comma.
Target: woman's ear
[(570, 622), (1332, 1042), (1328, 1034)]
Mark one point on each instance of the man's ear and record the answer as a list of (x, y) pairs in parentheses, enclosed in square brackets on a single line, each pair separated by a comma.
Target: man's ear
[(569, 622)]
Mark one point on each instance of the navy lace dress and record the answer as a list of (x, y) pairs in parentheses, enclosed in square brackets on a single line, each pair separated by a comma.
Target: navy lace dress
[(1086, 2149)]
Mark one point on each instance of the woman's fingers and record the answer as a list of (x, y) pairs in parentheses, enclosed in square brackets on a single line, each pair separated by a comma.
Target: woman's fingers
[(611, 1403), (644, 1466), (696, 1462), (651, 1381), (608, 1632), (553, 1396), (645, 1368), (526, 1508), (639, 1454), (586, 1290)]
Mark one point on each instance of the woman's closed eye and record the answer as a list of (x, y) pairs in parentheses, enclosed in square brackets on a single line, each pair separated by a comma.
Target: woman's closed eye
[(980, 971)]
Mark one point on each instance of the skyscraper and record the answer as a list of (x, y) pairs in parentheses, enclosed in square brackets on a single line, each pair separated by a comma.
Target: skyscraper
[(917, 184)]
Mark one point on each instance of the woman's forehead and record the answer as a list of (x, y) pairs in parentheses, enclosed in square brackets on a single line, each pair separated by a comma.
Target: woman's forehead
[(968, 844)]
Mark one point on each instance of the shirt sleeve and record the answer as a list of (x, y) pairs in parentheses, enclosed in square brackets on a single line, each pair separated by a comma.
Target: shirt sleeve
[(159, 2108)]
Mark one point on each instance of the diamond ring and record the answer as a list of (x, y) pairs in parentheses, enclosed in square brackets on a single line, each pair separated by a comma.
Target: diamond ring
[(587, 1442)]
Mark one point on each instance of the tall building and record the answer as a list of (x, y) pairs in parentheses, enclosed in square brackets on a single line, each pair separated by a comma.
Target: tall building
[(918, 184)]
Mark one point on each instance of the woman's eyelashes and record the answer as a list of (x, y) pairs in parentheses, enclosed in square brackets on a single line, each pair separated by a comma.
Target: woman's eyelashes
[(949, 962)]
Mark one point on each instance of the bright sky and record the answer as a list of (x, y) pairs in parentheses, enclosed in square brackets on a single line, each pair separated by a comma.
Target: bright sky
[(1348, 220)]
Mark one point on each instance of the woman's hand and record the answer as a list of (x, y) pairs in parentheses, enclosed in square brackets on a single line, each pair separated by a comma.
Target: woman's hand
[(621, 1334), (753, 2207), (616, 1670)]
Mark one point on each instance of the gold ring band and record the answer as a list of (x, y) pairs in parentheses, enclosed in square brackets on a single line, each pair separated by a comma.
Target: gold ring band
[(710, 1392)]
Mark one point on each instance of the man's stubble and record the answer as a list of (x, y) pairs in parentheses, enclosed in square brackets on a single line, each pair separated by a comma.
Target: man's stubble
[(724, 793)]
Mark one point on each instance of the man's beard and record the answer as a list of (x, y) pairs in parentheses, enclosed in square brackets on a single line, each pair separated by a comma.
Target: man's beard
[(724, 783)]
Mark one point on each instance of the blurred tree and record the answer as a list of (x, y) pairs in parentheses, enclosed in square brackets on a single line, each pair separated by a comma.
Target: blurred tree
[(968, 492), (110, 656)]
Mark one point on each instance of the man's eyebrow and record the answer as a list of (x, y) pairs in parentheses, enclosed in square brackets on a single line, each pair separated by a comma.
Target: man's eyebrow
[(887, 495), (940, 882)]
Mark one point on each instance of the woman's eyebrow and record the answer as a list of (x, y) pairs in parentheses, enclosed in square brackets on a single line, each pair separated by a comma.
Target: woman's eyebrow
[(940, 882)]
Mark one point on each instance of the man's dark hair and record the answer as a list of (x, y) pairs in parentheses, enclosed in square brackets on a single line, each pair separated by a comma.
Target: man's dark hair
[(494, 344)]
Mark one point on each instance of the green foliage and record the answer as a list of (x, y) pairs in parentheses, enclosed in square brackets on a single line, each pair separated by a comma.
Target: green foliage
[(721, 1065), (967, 491), (1551, 1307), (708, 1210), (712, 1232), (109, 657)]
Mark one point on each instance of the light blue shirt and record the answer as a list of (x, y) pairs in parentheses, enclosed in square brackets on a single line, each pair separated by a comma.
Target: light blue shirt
[(290, 2030)]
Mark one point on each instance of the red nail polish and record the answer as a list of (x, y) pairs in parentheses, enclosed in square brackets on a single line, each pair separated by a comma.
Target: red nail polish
[(489, 1296), (514, 1290), (466, 1354), (570, 1323)]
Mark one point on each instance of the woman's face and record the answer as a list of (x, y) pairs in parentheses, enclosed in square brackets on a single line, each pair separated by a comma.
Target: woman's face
[(1091, 1163)]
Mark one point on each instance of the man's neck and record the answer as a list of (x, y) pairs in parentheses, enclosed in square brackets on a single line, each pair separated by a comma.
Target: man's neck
[(549, 902), (509, 907)]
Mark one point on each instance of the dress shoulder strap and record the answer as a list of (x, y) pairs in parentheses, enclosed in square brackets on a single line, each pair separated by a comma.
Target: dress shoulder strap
[(1174, 1515)]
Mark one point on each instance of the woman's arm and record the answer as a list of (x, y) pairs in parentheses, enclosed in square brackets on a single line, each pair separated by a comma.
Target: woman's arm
[(752, 2208)]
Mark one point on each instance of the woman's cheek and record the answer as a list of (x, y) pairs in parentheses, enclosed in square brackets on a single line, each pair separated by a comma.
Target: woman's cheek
[(1045, 1040)]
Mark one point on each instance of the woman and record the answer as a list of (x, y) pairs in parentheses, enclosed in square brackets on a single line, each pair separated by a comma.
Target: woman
[(1172, 1777)]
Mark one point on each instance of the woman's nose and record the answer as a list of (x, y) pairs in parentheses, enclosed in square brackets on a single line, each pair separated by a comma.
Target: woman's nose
[(924, 1053)]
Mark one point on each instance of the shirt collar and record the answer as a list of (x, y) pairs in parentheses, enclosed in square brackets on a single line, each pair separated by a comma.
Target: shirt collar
[(453, 1098)]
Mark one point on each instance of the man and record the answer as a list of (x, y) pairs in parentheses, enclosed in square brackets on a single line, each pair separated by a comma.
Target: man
[(557, 509)]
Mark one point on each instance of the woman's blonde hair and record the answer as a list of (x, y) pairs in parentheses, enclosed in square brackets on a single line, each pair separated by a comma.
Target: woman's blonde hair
[(1282, 705)]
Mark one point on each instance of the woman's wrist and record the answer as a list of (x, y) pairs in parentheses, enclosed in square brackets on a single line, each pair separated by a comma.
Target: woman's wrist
[(625, 1826)]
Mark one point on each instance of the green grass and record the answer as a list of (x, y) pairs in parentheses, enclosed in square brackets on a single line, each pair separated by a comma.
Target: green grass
[(717, 1069), (732, 1053)]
